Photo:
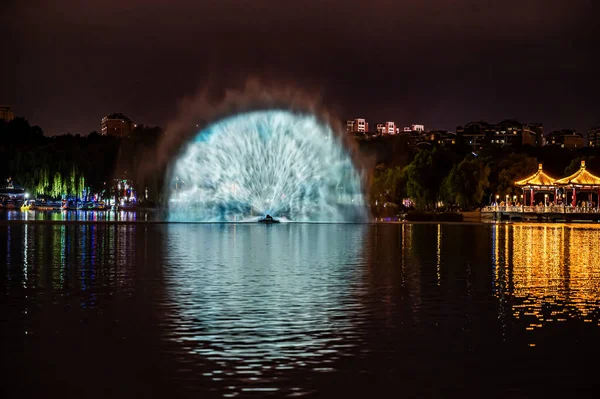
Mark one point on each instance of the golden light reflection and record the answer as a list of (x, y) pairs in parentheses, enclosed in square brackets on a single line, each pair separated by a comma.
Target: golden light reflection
[(439, 254), (25, 256), (552, 273)]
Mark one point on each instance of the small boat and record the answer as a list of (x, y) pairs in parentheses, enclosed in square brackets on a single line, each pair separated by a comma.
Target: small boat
[(47, 206), (43, 207), (268, 220), (26, 206)]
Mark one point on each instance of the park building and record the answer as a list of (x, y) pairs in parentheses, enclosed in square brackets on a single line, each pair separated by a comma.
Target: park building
[(575, 197), (565, 138), (117, 125), (6, 113)]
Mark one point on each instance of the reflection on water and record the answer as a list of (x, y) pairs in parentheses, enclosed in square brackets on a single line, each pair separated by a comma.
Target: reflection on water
[(257, 301), (232, 310), (81, 216), (547, 274)]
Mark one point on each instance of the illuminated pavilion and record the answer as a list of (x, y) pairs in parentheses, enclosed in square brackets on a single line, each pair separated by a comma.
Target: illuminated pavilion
[(539, 181), (581, 181)]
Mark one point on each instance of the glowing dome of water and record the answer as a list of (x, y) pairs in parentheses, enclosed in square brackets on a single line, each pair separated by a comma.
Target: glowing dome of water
[(290, 166)]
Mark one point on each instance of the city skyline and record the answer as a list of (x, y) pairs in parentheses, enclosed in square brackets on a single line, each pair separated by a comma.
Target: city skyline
[(434, 63), (390, 127)]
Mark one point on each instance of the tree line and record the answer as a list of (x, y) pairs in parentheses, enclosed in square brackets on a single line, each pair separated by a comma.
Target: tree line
[(451, 176), (71, 165), (457, 177)]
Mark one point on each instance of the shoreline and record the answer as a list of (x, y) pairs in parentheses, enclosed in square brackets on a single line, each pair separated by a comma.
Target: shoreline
[(374, 223)]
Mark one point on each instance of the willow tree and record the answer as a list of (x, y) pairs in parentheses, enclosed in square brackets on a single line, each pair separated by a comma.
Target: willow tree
[(65, 188), (57, 186), (43, 181), (72, 190), (80, 186)]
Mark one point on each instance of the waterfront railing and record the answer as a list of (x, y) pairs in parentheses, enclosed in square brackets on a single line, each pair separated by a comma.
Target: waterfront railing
[(541, 209)]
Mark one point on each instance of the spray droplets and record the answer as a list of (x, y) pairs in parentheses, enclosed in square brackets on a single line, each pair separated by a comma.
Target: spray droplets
[(286, 165)]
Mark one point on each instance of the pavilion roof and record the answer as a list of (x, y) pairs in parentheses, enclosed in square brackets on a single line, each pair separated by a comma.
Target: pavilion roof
[(539, 178), (580, 178)]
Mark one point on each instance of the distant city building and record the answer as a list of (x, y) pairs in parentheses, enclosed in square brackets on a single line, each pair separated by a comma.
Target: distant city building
[(350, 126), (414, 128), (415, 138), (474, 133), (358, 125), (509, 132), (6, 113), (565, 138), (387, 128), (538, 129), (117, 125), (512, 133), (594, 137), (442, 137), (390, 128)]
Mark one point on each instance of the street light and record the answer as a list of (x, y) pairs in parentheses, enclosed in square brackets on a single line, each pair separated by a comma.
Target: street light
[(545, 199)]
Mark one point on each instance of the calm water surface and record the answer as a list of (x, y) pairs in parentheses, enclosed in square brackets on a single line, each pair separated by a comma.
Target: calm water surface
[(225, 310)]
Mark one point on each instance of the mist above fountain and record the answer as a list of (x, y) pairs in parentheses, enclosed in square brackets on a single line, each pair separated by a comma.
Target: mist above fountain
[(291, 166)]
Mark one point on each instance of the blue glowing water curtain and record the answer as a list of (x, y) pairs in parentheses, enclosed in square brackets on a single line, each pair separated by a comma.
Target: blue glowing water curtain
[(291, 166)]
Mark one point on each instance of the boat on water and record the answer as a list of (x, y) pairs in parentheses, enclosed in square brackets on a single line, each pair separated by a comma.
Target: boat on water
[(46, 205), (26, 206), (268, 220), (85, 206)]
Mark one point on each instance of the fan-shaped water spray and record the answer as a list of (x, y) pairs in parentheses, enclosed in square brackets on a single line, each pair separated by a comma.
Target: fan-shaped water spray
[(291, 166)]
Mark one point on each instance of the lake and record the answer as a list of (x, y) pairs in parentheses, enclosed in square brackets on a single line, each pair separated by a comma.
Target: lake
[(142, 309)]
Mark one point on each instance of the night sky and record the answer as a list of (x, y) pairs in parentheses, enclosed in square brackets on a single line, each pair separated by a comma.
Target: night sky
[(67, 63)]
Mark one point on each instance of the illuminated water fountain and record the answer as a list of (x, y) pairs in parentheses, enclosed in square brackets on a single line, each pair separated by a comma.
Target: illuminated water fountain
[(291, 166)]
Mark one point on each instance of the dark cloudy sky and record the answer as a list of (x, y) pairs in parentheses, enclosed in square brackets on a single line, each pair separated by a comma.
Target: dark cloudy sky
[(66, 63)]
